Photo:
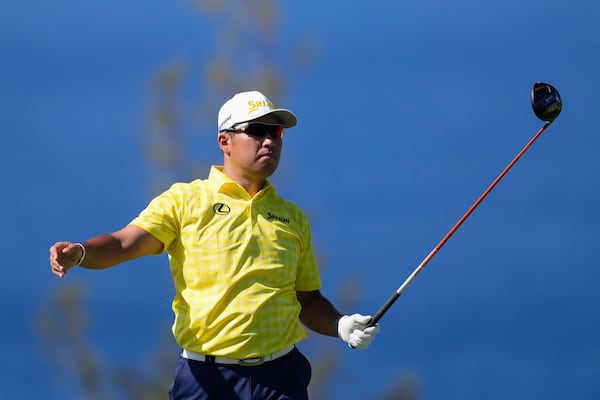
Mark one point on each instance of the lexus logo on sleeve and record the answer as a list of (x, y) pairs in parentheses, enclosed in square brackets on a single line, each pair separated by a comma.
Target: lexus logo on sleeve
[(221, 209)]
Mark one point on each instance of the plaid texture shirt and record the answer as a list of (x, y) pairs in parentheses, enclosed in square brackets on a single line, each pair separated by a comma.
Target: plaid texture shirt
[(237, 263)]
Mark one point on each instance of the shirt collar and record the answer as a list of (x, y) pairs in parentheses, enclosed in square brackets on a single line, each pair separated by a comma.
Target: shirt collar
[(224, 184)]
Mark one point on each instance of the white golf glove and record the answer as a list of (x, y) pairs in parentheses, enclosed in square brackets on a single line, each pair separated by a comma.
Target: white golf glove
[(351, 329)]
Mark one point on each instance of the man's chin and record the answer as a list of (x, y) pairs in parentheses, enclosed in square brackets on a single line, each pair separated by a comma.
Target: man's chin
[(269, 166)]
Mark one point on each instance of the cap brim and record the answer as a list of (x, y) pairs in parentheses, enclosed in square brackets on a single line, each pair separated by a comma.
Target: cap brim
[(285, 117)]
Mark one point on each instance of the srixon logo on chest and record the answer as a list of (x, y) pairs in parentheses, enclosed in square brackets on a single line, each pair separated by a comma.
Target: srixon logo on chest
[(273, 217)]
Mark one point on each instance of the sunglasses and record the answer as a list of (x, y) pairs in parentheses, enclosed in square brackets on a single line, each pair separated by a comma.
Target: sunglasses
[(258, 130)]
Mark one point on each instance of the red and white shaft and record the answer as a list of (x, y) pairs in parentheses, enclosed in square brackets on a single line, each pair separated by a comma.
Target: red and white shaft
[(433, 252)]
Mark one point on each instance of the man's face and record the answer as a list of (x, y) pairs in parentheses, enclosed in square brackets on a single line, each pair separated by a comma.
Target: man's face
[(255, 157)]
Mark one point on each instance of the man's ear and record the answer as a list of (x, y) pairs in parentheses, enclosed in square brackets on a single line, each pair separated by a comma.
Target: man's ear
[(224, 140)]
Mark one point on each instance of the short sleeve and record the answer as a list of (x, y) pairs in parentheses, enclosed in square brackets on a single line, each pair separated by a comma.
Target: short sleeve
[(161, 217), (307, 274)]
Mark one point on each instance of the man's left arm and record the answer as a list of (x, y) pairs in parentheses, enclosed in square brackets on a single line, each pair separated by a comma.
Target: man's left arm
[(317, 313), (320, 316)]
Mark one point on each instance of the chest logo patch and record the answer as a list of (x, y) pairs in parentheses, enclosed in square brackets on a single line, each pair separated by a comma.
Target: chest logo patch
[(221, 209), (273, 217)]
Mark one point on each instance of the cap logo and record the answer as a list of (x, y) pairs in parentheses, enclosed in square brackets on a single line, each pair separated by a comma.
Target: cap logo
[(254, 105), (225, 121)]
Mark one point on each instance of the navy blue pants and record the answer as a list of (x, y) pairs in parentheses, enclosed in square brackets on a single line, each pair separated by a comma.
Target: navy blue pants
[(285, 378)]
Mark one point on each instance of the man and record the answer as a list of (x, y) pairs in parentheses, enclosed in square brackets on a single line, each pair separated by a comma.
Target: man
[(243, 265)]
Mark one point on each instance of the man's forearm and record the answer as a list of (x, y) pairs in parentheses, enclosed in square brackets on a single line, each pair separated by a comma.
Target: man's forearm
[(107, 250), (103, 251), (319, 315)]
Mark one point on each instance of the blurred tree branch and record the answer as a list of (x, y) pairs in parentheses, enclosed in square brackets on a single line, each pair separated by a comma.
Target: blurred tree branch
[(62, 325)]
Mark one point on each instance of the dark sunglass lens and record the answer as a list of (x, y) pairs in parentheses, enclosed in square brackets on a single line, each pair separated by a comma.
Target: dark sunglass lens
[(262, 130)]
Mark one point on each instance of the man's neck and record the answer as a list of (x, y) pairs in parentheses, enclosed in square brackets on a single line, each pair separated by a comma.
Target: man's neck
[(252, 186)]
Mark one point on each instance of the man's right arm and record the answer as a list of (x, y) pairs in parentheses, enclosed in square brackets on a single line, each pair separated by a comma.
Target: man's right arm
[(104, 251)]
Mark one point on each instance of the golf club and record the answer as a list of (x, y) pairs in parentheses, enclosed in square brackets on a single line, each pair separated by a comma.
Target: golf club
[(546, 104)]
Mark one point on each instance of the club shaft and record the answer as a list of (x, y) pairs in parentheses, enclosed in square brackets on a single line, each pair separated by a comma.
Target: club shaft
[(392, 299)]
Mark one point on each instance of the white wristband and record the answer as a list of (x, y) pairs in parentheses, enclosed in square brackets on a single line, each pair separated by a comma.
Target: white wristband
[(78, 263)]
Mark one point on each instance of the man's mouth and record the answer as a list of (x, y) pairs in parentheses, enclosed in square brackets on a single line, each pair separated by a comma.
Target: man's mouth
[(269, 155)]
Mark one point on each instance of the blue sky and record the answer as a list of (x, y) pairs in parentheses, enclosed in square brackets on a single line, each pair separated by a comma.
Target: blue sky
[(410, 110)]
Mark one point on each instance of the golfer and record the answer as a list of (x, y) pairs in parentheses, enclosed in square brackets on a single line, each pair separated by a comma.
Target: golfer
[(242, 259)]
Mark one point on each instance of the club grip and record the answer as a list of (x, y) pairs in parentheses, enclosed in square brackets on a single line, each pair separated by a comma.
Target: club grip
[(375, 319), (379, 314)]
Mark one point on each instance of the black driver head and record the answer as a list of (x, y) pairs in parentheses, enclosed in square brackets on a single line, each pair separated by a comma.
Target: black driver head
[(545, 101)]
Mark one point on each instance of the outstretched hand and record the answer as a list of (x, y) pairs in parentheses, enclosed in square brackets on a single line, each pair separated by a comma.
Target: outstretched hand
[(63, 257), (353, 330)]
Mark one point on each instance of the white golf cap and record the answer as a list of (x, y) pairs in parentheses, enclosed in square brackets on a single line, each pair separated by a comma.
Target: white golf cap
[(246, 106)]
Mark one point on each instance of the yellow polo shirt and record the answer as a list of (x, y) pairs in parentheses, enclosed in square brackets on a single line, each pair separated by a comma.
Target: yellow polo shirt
[(237, 262)]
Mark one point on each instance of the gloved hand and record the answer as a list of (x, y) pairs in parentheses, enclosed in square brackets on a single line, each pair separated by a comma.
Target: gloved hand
[(351, 329)]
